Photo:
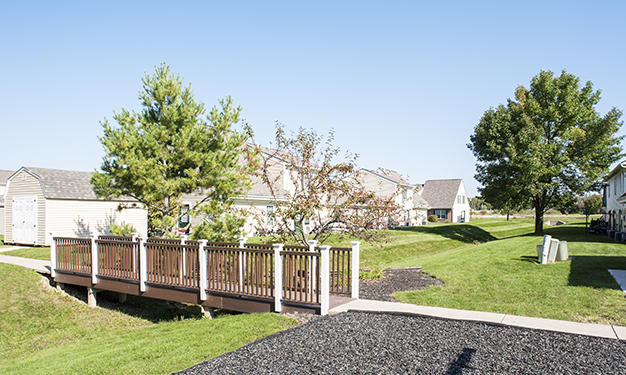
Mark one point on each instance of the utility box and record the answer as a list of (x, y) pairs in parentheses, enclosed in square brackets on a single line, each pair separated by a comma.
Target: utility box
[(554, 248), (562, 253)]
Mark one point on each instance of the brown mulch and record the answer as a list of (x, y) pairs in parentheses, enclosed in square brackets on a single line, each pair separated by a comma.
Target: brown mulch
[(396, 280)]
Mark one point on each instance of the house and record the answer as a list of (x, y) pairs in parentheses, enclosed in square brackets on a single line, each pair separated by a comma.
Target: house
[(447, 199), (4, 176), (614, 198), (388, 183), (258, 201), (39, 201)]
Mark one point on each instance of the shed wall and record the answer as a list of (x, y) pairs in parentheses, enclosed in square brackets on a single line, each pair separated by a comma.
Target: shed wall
[(81, 218), (24, 184)]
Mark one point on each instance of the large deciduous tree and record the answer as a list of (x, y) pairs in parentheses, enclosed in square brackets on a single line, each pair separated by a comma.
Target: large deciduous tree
[(168, 150), (546, 146), (326, 195)]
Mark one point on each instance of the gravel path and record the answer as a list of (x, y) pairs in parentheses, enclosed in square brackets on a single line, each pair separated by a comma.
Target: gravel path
[(386, 343), (396, 280)]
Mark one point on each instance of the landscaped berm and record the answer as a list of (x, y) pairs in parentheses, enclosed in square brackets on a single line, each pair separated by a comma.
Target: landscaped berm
[(488, 265)]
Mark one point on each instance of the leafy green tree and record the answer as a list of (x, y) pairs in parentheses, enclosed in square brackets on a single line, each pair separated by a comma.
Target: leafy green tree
[(168, 150), (546, 146)]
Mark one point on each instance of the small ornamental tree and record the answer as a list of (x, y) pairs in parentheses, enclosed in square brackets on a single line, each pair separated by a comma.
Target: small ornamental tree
[(546, 146), (168, 150), (324, 195)]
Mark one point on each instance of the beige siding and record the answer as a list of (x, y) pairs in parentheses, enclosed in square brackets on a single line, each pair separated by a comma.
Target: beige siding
[(377, 185), (79, 218), (24, 184), (1, 220)]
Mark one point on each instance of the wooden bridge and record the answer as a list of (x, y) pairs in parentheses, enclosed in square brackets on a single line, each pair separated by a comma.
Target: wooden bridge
[(234, 276)]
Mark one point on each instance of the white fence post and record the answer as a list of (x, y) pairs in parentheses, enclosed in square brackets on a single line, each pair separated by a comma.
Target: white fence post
[(355, 268), (278, 277), (312, 267), (202, 263), (53, 256), (242, 261), (94, 260), (325, 276), (143, 264)]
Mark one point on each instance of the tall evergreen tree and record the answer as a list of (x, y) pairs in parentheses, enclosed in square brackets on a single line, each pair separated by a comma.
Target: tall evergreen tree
[(168, 150)]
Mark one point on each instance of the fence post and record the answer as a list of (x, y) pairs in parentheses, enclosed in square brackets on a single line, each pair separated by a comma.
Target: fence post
[(143, 264), (312, 267), (202, 264), (278, 277), (53, 256), (94, 260), (242, 261), (183, 261), (355, 268), (325, 276), (135, 238)]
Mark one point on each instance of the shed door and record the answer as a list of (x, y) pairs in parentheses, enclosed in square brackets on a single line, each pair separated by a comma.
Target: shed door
[(25, 220)]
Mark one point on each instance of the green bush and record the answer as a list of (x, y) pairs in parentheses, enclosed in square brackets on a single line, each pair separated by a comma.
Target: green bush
[(124, 230), (433, 218)]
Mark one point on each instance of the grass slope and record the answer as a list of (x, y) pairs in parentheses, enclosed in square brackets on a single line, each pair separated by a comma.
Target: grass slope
[(41, 253), (43, 332), (504, 276)]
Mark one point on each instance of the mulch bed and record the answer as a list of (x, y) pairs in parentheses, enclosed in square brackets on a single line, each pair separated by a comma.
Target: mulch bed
[(396, 280)]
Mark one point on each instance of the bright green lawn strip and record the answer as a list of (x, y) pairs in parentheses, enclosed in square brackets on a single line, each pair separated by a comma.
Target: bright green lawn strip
[(158, 349), (42, 326), (41, 253), (503, 276)]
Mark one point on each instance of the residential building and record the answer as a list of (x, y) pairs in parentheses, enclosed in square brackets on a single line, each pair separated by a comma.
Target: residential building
[(447, 199), (614, 198)]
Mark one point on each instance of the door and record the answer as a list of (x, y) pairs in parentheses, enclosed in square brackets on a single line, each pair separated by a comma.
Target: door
[(25, 220)]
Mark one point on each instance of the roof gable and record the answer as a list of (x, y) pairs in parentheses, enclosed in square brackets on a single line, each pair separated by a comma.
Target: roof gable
[(441, 193), (62, 184)]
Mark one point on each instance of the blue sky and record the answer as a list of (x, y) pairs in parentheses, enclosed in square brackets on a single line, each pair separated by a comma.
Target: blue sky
[(402, 83)]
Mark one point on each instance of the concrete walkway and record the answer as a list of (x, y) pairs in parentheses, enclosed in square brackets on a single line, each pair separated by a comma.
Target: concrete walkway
[(14, 248), (41, 266), (620, 277), (597, 330)]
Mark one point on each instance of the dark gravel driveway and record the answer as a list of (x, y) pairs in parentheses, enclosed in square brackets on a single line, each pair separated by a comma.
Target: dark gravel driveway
[(386, 343)]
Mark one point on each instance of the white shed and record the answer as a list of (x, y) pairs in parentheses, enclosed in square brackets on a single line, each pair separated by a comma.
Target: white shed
[(39, 201)]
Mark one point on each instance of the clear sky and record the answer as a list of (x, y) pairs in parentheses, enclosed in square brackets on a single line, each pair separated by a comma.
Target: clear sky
[(402, 83)]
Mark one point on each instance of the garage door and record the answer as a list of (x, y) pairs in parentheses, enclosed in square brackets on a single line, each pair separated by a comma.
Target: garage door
[(25, 220)]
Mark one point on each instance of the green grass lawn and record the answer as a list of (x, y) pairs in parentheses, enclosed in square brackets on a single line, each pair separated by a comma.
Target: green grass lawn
[(504, 276), (41, 253), (45, 332)]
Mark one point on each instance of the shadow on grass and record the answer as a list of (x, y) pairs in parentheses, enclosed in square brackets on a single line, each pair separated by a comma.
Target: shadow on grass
[(153, 310), (465, 233), (592, 271)]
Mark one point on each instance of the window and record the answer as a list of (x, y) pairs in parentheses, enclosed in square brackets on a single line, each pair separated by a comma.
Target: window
[(404, 194), (270, 215), (442, 214)]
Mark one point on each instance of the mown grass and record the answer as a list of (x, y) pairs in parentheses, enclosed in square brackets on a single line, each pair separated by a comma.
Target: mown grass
[(43, 332), (504, 276), (41, 253)]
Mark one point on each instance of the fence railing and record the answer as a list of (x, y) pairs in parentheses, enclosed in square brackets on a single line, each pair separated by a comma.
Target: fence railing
[(286, 274), (72, 254)]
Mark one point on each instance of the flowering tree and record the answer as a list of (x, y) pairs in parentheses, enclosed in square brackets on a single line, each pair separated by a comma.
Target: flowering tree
[(314, 197)]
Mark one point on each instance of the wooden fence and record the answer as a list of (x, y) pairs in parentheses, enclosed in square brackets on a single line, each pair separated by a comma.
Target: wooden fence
[(283, 274)]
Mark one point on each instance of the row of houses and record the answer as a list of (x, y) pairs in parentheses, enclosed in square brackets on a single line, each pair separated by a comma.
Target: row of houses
[(38, 201), (614, 198)]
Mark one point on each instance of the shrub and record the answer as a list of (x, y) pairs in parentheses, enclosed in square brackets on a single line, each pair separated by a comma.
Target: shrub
[(124, 230), (433, 218)]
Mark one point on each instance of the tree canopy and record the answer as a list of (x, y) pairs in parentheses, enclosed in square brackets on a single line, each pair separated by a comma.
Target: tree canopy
[(546, 146), (168, 150), (325, 195)]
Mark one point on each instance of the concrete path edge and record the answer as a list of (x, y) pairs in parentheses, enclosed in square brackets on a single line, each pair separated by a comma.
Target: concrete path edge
[(587, 329)]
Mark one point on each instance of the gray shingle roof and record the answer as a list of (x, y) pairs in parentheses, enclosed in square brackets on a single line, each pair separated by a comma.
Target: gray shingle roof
[(419, 201), (441, 193), (62, 184)]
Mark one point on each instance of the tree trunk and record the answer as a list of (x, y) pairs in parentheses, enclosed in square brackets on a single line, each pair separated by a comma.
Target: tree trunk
[(538, 220), (507, 215)]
